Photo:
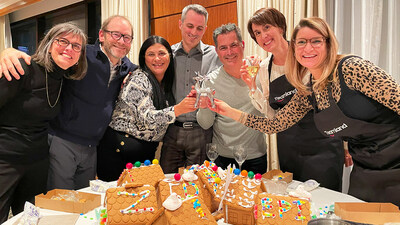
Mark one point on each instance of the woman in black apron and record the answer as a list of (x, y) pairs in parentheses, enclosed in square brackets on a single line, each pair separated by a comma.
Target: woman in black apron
[(302, 149), (352, 99)]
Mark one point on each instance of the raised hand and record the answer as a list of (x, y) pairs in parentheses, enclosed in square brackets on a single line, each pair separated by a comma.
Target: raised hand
[(9, 63)]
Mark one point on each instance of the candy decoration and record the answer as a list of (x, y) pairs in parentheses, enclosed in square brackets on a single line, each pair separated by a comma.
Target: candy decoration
[(244, 173), (258, 176), (236, 171), (177, 177), (155, 161), (185, 189), (217, 180), (250, 174), (144, 194), (215, 168), (147, 163), (129, 166), (138, 164), (207, 163)]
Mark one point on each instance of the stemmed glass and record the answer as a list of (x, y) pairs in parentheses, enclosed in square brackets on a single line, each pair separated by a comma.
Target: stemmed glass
[(240, 154), (253, 65), (211, 150)]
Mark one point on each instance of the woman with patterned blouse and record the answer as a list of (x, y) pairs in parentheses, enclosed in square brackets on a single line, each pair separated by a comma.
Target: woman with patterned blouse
[(144, 109), (352, 99)]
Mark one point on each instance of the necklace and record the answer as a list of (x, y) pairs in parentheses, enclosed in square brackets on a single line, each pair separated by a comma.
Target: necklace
[(47, 92)]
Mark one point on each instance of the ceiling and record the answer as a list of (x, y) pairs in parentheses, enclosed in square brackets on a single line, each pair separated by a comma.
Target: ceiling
[(8, 6)]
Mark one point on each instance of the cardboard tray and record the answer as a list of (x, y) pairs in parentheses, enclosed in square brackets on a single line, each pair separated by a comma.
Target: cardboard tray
[(44, 201), (286, 176), (371, 213)]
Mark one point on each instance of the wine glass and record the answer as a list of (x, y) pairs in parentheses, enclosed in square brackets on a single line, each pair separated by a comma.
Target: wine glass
[(211, 150), (253, 65), (240, 154)]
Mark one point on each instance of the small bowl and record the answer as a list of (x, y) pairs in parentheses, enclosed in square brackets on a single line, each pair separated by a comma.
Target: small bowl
[(326, 221)]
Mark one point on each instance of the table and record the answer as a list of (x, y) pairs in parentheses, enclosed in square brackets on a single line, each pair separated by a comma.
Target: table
[(322, 198)]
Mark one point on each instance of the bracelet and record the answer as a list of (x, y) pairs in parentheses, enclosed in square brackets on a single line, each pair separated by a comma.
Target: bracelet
[(242, 118)]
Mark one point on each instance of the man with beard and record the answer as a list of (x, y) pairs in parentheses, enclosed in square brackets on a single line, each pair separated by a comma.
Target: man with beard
[(185, 141), (86, 105)]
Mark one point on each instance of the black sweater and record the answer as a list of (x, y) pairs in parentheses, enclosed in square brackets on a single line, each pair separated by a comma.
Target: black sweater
[(25, 113)]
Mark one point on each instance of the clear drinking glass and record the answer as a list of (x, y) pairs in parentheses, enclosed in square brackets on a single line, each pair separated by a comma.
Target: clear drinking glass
[(211, 150), (253, 65), (240, 154)]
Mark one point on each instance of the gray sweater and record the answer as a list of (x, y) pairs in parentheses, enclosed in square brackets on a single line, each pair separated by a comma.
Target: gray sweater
[(228, 133)]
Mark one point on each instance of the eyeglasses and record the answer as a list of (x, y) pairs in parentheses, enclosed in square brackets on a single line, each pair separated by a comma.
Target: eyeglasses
[(117, 35), (159, 55), (64, 43), (315, 42)]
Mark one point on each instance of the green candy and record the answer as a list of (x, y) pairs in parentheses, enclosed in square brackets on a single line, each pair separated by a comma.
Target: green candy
[(250, 174), (137, 164)]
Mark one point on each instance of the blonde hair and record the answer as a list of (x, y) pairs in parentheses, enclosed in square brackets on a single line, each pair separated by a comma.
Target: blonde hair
[(296, 72), (42, 55)]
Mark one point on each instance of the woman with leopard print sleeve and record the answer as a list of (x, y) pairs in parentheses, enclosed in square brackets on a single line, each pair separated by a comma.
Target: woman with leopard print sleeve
[(352, 99)]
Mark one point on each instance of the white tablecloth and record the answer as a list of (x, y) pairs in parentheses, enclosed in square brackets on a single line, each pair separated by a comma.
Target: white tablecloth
[(322, 198)]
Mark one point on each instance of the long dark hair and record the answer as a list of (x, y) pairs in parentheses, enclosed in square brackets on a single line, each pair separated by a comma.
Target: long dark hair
[(161, 92)]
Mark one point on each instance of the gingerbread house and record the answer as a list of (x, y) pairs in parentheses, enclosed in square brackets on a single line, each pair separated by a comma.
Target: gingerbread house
[(183, 202), (238, 192)]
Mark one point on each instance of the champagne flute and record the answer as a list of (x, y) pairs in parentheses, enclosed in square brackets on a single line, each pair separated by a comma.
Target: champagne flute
[(253, 65), (211, 150), (240, 154)]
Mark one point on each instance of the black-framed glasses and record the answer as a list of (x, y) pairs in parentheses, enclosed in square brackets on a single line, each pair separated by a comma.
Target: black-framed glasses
[(64, 43), (117, 35), (315, 42)]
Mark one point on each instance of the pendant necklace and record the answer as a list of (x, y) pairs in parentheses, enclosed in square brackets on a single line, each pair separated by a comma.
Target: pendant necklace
[(47, 92)]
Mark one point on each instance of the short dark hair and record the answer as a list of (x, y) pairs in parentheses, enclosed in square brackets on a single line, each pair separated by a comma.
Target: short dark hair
[(169, 75), (199, 9), (224, 29), (104, 25), (267, 16)]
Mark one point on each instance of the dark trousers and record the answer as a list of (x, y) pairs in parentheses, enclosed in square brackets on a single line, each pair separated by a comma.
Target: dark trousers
[(116, 149), (257, 165), (184, 147), (20, 183)]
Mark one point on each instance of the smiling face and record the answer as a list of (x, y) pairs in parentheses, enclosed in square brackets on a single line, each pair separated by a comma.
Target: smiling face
[(116, 50), (157, 60), (268, 37), (65, 57), (308, 56), (192, 29), (230, 51)]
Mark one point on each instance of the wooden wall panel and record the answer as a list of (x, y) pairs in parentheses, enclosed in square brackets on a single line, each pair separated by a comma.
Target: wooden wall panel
[(208, 3), (168, 28), (220, 13), (160, 8)]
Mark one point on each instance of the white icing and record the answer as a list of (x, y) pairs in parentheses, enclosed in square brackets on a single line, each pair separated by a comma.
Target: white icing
[(189, 175), (173, 202)]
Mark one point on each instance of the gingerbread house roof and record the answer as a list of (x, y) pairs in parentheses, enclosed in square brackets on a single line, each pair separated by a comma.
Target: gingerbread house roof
[(150, 174), (131, 204), (279, 210)]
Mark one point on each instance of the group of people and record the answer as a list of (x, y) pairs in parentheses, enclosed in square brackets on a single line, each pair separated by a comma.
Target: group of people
[(65, 118)]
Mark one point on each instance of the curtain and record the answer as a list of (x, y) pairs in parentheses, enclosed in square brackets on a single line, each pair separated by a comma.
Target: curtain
[(370, 29), (137, 12), (5, 33), (293, 10)]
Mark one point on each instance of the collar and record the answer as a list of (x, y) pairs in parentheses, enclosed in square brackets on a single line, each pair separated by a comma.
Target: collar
[(200, 47)]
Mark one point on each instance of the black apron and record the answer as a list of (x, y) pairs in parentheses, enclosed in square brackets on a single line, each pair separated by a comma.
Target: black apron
[(375, 147), (302, 149)]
